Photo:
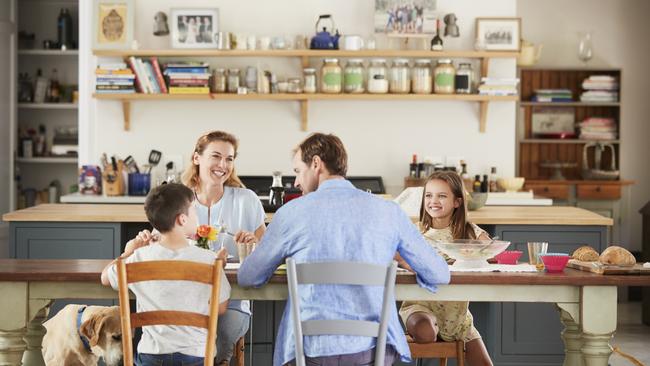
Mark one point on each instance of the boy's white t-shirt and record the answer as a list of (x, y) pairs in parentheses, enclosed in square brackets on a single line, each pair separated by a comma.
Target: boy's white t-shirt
[(172, 295)]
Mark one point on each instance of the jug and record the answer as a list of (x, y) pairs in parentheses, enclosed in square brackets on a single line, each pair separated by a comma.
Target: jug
[(324, 40), (276, 195), (529, 53), (597, 172)]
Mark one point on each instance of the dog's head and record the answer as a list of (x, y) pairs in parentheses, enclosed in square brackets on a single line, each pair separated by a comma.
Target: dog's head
[(104, 333)]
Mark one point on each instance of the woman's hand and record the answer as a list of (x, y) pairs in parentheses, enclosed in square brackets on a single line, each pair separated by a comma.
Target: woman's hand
[(245, 237)]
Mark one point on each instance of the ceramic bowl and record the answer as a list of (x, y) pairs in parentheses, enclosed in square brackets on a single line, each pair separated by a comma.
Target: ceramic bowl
[(508, 257), (471, 253), (476, 200), (555, 262), (511, 184)]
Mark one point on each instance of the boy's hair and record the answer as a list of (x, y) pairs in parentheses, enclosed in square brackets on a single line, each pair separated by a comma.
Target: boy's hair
[(165, 202), (460, 227), (329, 148)]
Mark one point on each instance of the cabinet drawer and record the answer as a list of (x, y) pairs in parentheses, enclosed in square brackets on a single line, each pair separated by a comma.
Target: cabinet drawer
[(556, 191), (599, 192)]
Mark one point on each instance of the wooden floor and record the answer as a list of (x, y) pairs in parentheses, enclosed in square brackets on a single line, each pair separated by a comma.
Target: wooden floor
[(632, 336)]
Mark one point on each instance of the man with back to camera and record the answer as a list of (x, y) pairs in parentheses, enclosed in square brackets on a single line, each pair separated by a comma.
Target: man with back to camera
[(335, 222)]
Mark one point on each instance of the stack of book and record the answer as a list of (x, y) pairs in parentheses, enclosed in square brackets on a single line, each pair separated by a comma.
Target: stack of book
[(498, 86), (149, 79), (552, 95), (600, 88), (188, 78), (596, 128), (114, 78)]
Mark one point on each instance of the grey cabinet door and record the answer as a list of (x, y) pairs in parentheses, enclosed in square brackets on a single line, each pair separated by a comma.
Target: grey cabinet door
[(65, 240)]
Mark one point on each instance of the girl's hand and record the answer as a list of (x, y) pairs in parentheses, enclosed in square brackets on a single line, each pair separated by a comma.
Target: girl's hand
[(245, 237)]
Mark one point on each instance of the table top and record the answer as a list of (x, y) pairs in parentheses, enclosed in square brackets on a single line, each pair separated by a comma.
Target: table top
[(89, 270), (488, 215)]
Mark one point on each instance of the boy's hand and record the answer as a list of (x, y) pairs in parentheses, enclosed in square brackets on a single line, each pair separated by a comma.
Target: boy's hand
[(144, 238), (223, 255)]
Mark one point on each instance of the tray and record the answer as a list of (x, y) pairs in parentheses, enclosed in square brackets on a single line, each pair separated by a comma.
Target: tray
[(596, 267)]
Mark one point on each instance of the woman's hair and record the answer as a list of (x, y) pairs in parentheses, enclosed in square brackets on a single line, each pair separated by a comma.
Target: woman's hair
[(460, 227), (191, 175)]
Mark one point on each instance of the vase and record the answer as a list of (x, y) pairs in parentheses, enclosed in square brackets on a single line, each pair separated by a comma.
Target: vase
[(585, 47)]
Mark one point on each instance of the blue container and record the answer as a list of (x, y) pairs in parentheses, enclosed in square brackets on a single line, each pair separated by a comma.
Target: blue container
[(139, 184)]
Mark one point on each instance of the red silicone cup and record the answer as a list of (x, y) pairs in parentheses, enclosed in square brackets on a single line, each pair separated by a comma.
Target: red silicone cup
[(555, 263), (508, 257)]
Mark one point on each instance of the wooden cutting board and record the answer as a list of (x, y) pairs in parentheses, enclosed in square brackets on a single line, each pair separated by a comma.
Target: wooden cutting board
[(596, 267)]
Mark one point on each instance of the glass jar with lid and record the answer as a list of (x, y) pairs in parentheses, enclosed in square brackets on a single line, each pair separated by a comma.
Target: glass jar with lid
[(400, 82), (353, 76), (219, 80), (233, 80), (443, 77), (421, 77), (464, 79), (330, 81), (294, 86), (377, 77), (309, 76)]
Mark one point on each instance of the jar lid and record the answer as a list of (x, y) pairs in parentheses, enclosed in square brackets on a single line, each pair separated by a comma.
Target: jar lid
[(423, 61), (378, 61), (331, 60), (444, 61), (400, 61), (233, 70), (465, 64), (355, 61), (309, 70)]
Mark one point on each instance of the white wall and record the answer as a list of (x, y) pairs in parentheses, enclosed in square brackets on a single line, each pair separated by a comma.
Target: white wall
[(380, 136), (620, 39)]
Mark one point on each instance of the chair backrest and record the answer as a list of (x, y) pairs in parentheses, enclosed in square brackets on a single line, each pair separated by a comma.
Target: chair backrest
[(341, 273), (160, 271)]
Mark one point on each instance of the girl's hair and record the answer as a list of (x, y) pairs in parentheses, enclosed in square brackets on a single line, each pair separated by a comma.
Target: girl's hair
[(191, 175), (460, 227)]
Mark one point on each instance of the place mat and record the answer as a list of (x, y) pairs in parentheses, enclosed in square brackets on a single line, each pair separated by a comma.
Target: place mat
[(522, 267), (233, 265)]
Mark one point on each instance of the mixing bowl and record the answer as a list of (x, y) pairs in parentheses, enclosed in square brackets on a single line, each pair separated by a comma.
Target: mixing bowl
[(470, 253)]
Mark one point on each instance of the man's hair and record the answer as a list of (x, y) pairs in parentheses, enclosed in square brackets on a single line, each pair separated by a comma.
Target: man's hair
[(329, 148), (165, 202)]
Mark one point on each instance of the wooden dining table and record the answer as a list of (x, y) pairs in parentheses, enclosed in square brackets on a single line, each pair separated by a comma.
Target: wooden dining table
[(586, 302)]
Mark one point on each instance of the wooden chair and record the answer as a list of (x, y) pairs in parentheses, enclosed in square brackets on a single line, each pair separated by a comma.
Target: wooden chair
[(341, 273), (157, 271), (440, 350)]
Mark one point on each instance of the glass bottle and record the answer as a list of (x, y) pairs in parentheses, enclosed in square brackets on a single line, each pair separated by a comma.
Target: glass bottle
[(400, 82), (413, 167), (585, 47), (309, 76), (353, 76), (233, 80), (493, 180), (421, 79), (444, 75), (485, 186), (477, 183), (436, 42), (54, 91), (64, 29), (464, 79), (219, 80), (377, 77), (330, 76), (276, 198)]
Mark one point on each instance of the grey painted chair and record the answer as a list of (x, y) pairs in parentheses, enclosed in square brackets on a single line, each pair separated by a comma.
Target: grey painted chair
[(341, 273)]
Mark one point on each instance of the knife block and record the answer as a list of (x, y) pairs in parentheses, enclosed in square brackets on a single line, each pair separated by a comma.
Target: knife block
[(113, 181)]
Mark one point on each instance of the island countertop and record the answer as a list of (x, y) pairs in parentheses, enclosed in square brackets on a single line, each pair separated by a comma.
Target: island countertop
[(488, 215)]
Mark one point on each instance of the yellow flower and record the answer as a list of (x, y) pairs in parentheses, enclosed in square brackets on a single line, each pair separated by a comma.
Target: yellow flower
[(212, 235)]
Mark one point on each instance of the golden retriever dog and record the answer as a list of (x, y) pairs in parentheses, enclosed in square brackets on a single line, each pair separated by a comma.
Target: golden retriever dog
[(96, 326)]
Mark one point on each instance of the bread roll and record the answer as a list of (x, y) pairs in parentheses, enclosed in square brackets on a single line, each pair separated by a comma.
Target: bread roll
[(617, 256), (585, 254)]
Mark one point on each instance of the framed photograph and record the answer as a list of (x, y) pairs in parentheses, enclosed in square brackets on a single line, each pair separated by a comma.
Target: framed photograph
[(499, 34), (113, 24), (403, 18), (194, 27)]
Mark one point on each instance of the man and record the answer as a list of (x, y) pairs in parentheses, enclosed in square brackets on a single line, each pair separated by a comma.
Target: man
[(336, 222)]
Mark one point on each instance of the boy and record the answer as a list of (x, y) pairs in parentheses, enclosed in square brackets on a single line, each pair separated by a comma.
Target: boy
[(168, 209)]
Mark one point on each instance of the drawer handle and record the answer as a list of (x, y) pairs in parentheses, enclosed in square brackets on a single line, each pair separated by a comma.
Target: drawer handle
[(545, 189), (598, 189)]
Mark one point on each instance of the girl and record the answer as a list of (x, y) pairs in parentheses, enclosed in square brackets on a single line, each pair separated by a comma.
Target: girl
[(443, 216)]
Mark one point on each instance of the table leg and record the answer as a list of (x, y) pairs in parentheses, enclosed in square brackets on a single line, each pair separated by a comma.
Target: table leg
[(13, 319), (598, 320), (33, 355), (12, 347), (572, 337)]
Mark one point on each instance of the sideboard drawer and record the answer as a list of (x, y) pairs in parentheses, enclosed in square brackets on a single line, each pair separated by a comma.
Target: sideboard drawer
[(599, 191), (555, 191)]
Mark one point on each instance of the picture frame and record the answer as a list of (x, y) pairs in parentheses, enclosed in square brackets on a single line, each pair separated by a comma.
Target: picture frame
[(499, 34), (398, 18), (194, 27), (113, 24)]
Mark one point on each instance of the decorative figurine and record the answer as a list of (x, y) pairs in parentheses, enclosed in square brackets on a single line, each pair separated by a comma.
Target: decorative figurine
[(160, 27), (451, 29)]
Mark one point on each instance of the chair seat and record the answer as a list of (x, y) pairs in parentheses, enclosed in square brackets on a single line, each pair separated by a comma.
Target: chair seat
[(441, 350)]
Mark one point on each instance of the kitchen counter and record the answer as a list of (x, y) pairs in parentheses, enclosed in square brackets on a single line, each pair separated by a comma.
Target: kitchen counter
[(488, 215)]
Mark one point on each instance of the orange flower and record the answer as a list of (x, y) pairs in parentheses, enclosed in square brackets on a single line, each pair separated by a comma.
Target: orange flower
[(203, 231)]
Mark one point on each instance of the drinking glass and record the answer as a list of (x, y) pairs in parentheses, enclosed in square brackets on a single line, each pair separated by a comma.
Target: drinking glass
[(535, 249), (585, 47)]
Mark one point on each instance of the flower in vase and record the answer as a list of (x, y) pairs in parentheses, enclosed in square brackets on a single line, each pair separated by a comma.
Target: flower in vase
[(204, 235)]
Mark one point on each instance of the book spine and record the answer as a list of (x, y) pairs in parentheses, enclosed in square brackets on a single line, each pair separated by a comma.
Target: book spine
[(152, 77), (189, 90), (159, 77), (138, 77), (145, 77)]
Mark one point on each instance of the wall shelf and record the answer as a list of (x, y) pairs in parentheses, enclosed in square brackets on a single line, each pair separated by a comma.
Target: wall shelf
[(569, 104), (565, 141), (48, 52), (304, 99), (48, 105), (48, 160)]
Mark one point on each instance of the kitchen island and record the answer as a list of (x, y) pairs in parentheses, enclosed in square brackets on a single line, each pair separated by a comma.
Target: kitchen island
[(516, 333), (585, 301)]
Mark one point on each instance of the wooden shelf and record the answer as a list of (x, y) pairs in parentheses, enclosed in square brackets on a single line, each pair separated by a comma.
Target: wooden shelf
[(305, 98), (48, 52), (566, 141), (570, 104), (48, 105), (302, 53), (48, 160)]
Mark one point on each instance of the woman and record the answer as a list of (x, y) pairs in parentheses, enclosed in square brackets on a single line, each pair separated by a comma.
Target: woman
[(221, 200)]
